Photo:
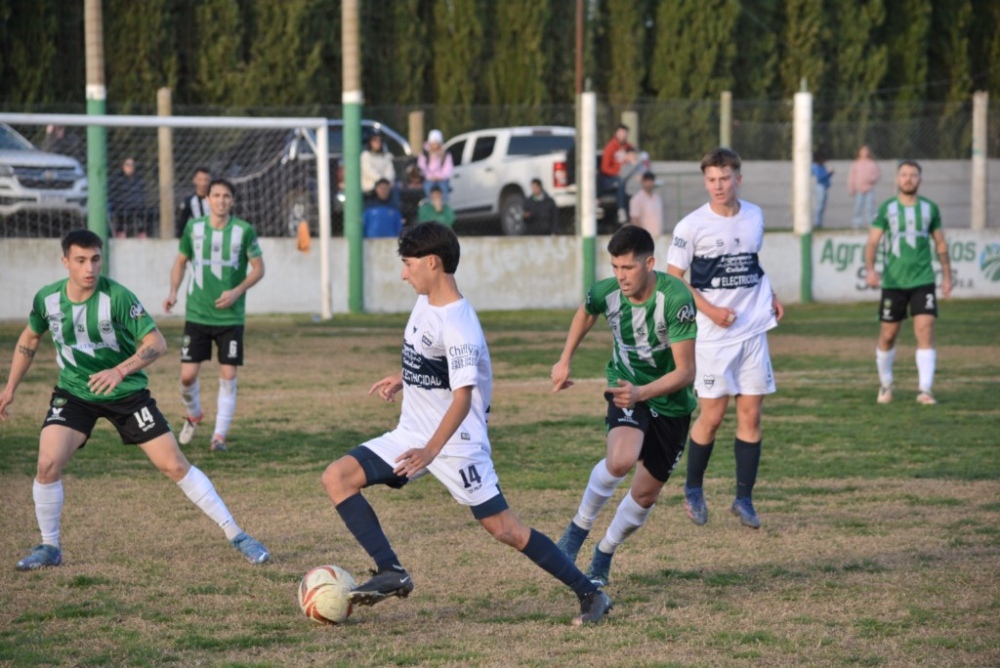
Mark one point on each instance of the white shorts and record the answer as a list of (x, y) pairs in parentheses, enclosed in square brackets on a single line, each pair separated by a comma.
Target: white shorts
[(466, 470), (739, 368)]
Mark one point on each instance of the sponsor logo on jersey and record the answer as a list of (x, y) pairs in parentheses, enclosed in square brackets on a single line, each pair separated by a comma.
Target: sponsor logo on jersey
[(136, 311), (55, 414), (465, 436), (627, 416), (60, 401), (426, 339), (105, 326), (680, 243), (687, 313), (709, 382)]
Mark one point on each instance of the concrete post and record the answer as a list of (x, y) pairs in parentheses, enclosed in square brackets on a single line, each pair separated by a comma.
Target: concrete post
[(416, 131), (352, 98), (726, 119), (586, 184), (165, 146), (325, 191), (980, 166), (97, 136), (631, 119), (802, 186)]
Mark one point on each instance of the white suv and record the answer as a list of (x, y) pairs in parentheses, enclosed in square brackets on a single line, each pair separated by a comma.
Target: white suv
[(36, 181)]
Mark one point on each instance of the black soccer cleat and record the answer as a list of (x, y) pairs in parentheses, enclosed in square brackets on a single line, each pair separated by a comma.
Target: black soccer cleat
[(384, 583), (593, 607)]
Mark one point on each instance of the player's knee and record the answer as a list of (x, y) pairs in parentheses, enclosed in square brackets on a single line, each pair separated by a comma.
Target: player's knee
[(619, 466), (48, 471), (338, 482)]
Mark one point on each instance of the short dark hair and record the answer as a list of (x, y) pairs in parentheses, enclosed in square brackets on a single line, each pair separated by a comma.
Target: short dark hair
[(381, 181), (621, 126), (436, 189), (721, 156), (81, 237), (649, 176), (431, 239), (538, 181), (631, 239), (202, 170), (219, 181), (911, 163)]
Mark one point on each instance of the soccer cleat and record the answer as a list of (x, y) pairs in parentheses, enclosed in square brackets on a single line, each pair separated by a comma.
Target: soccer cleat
[(593, 607), (884, 394), (926, 398), (743, 508), (394, 581), (600, 567), (251, 548), (42, 556), (572, 540), (694, 505), (187, 431), (218, 444)]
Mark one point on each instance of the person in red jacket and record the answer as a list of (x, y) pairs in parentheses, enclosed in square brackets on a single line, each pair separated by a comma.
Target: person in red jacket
[(617, 153)]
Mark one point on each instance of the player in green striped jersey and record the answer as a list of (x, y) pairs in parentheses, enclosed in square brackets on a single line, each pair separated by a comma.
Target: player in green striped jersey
[(650, 398), (220, 248), (103, 338), (907, 223)]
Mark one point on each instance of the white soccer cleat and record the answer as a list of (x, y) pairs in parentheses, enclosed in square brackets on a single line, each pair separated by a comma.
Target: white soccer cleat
[(926, 398), (187, 431), (885, 394)]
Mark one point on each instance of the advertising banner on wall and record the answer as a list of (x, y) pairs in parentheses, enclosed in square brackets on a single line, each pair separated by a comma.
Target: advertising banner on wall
[(839, 266)]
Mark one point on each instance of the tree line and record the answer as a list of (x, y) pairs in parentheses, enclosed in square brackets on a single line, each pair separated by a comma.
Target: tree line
[(513, 55)]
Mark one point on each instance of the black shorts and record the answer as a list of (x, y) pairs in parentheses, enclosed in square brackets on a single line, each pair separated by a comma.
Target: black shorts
[(921, 301), (136, 417), (664, 437), (197, 343)]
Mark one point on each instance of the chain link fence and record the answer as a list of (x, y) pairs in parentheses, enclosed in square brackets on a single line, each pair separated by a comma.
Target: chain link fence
[(275, 176)]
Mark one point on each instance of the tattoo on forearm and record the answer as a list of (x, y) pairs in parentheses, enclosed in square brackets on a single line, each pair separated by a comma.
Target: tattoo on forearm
[(148, 354), (142, 358), (26, 351)]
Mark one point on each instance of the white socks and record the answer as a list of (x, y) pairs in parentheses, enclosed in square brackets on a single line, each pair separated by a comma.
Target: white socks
[(629, 517), (191, 398), (926, 361), (599, 489), (883, 362), (227, 406), (200, 490), (48, 510)]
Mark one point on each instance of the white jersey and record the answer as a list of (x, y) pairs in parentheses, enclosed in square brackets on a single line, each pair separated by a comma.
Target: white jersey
[(444, 349), (721, 253)]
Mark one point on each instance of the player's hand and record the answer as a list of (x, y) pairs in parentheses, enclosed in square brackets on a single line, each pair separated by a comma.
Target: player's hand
[(625, 395), (387, 387), (103, 382), (414, 460), (169, 302), (6, 399), (777, 307), (946, 286), (227, 299), (560, 376), (723, 317), (872, 279)]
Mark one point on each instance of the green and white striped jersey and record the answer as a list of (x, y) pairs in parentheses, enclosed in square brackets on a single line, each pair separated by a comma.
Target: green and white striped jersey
[(907, 242), (92, 336), (219, 261), (643, 334)]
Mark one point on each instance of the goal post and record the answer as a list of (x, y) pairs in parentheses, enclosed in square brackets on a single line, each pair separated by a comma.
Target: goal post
[(279, 166)]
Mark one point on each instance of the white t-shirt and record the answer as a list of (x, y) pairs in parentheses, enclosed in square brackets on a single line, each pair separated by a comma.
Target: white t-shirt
[(648, 209), (721, 254), (444, 349)]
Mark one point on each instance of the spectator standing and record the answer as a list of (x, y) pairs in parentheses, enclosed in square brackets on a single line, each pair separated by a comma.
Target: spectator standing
[(861, 179), (129, 213), (822, 177), (645, 209), (435, 210), (376, 164), (196, 205), (617, 153), (436, 164), (58, 140), (381, 217), (540, 210)]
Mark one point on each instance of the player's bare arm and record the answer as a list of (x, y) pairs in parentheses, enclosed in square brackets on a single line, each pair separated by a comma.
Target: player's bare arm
[(721, 316), (627, 395), (229, 297), (578, 329), (416, 459), (24, 355), (941, 247), (176, 276), (151, 348), (388, 387), (777, 306), (871, 246)]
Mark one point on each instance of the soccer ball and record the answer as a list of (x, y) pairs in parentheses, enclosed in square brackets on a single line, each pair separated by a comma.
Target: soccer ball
[(325, 594)]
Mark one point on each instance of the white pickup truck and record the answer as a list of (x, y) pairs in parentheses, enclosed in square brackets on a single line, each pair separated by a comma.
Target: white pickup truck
[(494, 169)]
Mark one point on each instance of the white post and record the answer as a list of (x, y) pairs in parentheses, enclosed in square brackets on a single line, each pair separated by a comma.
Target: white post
[(165, 146), (802, 164), (980, 107), (587, 156), (726, 119), (323, 193)]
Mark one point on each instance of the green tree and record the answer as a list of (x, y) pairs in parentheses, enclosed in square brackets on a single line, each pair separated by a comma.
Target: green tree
[(456, 46), (513, 86), (28, 52), (559, 76), (625, 47), (802, 56), (219, 61), (951, 65), (395, 52), (907, 34), (139, 53)]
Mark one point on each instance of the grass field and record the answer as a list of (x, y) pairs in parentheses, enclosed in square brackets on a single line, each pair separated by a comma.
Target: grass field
[(880, 543)]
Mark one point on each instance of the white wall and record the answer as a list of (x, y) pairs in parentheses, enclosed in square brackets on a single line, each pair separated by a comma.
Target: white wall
[(496, 273)]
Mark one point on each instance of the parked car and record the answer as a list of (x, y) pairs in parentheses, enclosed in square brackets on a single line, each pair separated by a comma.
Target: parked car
[(494, 169), (38, 188)]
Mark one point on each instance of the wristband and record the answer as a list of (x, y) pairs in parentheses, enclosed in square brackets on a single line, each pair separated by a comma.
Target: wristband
[(120, 374)]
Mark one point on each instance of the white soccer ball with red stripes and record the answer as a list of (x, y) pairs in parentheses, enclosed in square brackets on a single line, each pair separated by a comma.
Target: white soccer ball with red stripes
[(325, 594)]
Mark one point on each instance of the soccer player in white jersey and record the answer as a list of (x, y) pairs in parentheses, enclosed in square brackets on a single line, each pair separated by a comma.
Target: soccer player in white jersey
[(908, 223), (719, 243), (221, 248), (650, 401), (446, 380), (103, 338)]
